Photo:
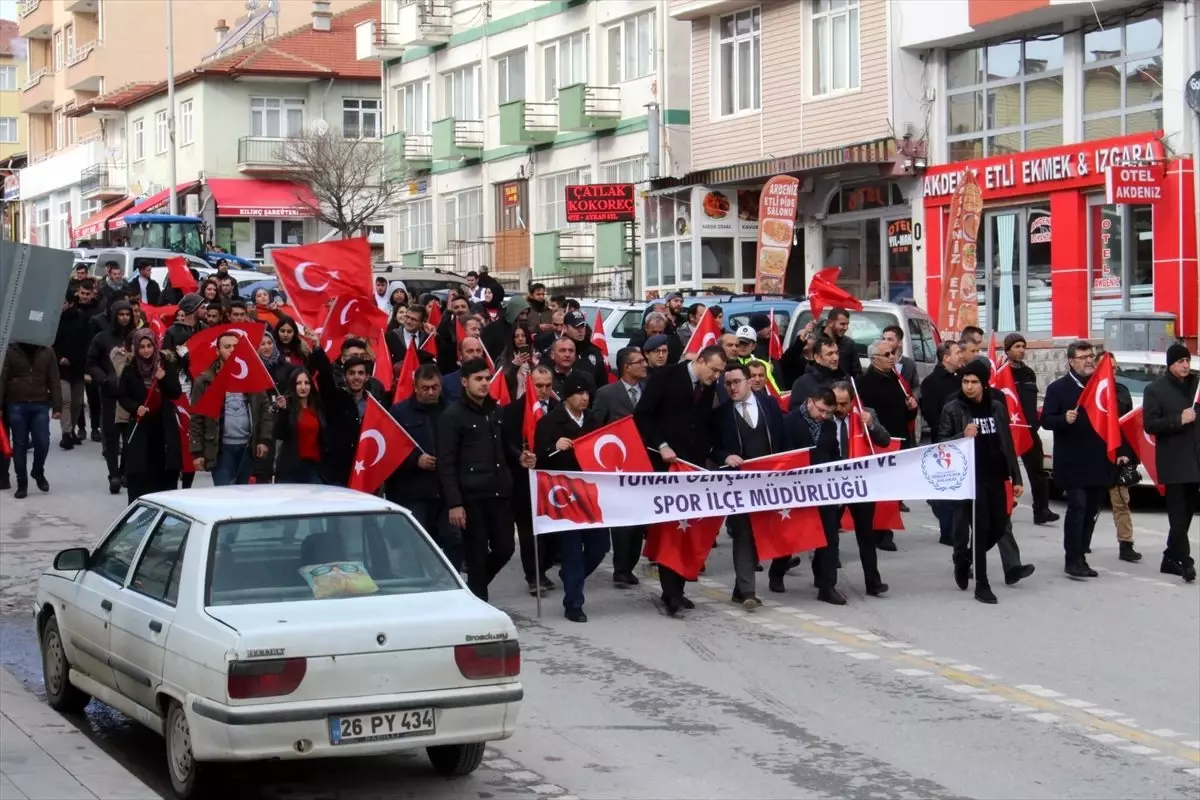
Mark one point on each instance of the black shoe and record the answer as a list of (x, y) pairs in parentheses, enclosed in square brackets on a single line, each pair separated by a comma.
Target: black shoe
[(984, 594), (1078, 571), (1091, 573), (42, 484), (839, 566), (95, 435), (21, 493), (686, 603), (1045, 518), (534, 589), (624, 579), (673, 606), (5, 482), (1087, 551), (904, 506), (546, 583), (946, 540), (576, 615), (1168, 566), (831, 596), (776, 585), (793, 562), (962, 575), (67, 442), (1017, 574), (877, 589), (886, 541), (1129, 554), (114, 485), (758, 568), (1189, 574)]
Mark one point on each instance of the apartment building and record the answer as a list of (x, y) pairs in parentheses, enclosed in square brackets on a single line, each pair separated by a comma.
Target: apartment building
[(1038, 98), (494, 107), (79, 50), (12, 127)]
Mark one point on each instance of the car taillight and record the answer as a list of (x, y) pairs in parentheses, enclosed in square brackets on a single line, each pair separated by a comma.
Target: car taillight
[(489, 660), (274, 678)]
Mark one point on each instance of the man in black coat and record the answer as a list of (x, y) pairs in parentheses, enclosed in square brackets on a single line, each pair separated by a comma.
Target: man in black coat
[(70, 347), (611, 403), (88, 305), (938, 386), (148, 289), (895, 408), (582, 550), (588, 357), (674, 416), (821, 372), (1034, 458), (345, 404), (102, 373), (517, 449), (477, 485), (837, 327), (1169, 413)]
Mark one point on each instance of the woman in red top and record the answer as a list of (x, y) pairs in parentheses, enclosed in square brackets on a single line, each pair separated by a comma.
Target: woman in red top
[(292, 346), (299, 431)]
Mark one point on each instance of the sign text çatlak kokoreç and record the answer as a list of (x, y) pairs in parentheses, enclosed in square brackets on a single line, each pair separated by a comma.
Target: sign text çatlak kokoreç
[(601, 202)]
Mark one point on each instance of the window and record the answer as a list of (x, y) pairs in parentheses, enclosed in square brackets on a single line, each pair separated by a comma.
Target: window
[(157, 573), (564, 63), (360, 119), (41, 226), (1004, 98), (8, 79), (60, 129), (631, 49), (834, 46), (69, 36), (1121, 259), (740, 61), (460, 93), (64, 223), (113, 558), (187, 123), (139, 139), (627, 170), (857, 248), (58, 51), (415, 222), (1014, 294), (463, 216), (414, 107), (162, 139), (510, 78), (275, 117), (1122, 79), (10, 130), (552, 199)]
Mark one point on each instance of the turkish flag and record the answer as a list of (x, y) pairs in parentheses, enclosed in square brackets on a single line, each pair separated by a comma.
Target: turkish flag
[(682, 546), (183, 419), (775, 347), (599, 338), (430, 345), (1144, 445), (180, 276), (351, 316), (1099, 402), (786, 531), (405, 380), (707, 333), (460, 331), (621, 436), (1022, 433), (435, 314), (202, 345), (155, 324), (382, 447), (784, 400), (993, 359), (498, 390), (569, 498), (824, 293), (243, 372), (5, 445), (887, 513), (384, 372), (311, 273), (533, 412)]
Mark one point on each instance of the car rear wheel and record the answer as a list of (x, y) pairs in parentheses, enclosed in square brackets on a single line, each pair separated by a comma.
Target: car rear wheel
[(186, 775), (456, 760), (61, 694)]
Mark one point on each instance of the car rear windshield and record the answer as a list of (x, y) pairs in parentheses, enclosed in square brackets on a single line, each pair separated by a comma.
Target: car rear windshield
[(1136, 377), (286, 559), (866, 327)]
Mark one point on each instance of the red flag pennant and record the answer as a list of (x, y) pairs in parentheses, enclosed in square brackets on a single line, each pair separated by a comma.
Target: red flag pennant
[(824, 293), (5, 445), (1144, 445), (992, 357), (707, 333), (383, 372), (311, 274), (617, 447), (183, 420), (435, 314), (460, 332), (775, 348), (498, 390), (599, 338), (382, 447), (180, 276), (567, 497), (684, 545), (430, 345), (351, 316), (1099, 402), (533, 412), (1022, 433), (406, 378), (243, 372), (202, 345), (786, 531)]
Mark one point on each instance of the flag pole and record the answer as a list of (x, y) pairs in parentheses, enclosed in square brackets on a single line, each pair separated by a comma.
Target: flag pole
[(537, 562)]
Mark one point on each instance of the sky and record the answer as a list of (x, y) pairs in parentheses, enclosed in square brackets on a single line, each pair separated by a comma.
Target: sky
[(8, 9)]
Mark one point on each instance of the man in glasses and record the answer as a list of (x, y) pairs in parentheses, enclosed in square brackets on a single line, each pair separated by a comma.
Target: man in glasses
[(895, 407)]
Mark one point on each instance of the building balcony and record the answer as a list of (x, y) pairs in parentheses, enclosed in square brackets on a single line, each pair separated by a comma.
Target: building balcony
[(102, 182), (35, 19), (457, 139), (562, 253), (525, 123), (407, 153), (424, 23), (37, 93), (82, 6), (700, 9), (420, 259), (83, 73), (588, 108), (262, 154), (377, 41)]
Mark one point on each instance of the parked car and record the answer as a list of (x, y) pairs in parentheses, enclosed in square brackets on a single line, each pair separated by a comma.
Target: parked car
[(621, 321), (921, 338), (278, 622), (131, 259), (419, 280)]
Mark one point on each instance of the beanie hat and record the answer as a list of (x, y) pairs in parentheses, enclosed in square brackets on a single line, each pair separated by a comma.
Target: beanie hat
[(1177, 352), (190, 303), (1011, 339), (977, 367)]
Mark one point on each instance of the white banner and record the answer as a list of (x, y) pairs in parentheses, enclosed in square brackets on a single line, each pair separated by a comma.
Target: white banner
[(565, 501)]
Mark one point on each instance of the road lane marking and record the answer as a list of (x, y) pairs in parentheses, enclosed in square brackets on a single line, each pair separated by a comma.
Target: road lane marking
[(1045, 717), (863, 656), (1040, 691), (1072, 702), (1166, 733), (914, 673)]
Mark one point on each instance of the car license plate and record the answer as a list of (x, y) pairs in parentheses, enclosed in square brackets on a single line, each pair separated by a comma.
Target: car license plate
[(380, 726)]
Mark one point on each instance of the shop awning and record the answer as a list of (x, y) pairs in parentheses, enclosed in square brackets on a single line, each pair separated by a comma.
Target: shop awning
[(152, 203), (94, 225), (247, 197)]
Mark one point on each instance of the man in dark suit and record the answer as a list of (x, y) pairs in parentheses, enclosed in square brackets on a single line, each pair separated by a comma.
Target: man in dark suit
[(613, 402), (582, 550), (674, 416), (148, 288), (861, 514), (749, 426), (412, 332), (811, 424), (514, 448)]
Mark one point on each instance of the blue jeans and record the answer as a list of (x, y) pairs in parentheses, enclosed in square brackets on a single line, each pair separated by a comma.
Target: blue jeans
[(304, 472), (582, 552), (28, 421), (944, 511), (435, 519), (233, 465)]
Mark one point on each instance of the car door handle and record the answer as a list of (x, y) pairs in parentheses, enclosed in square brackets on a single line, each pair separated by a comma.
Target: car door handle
[(156, 626), (106, 605)]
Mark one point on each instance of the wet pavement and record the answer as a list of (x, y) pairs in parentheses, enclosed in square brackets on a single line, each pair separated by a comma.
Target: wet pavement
[(1065, 689)]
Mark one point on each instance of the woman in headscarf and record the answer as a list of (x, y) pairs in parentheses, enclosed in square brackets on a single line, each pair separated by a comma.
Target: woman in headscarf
[(299, 431), (146, 389)]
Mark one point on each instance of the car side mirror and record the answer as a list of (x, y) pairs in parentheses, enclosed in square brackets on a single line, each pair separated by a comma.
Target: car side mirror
[(76, 558)]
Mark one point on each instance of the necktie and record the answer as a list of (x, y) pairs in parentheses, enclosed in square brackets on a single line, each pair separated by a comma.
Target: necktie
[(844, 438), (697, 390), (633, 395), (745, 404)]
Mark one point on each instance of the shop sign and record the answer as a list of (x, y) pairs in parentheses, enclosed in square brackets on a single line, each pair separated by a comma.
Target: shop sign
[(777, 203), (1071, 166), (1135, 184), (255, 211), (512, 194), (748, 210), (601, 202), (900, 235), (958, 306), (12, 187), (715, 212)]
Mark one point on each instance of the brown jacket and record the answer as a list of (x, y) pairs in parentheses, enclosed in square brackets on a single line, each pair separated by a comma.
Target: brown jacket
[(25, 381), (206, 432)]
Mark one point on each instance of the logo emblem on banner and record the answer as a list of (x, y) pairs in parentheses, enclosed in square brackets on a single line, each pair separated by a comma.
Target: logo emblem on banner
[(945, 467)]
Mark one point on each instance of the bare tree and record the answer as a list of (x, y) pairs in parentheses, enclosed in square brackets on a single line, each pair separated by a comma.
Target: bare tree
[(349, 179)]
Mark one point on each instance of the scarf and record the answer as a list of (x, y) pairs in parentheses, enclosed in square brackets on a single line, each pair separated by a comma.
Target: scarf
[(814, 427), (272, 359), (146, 367)]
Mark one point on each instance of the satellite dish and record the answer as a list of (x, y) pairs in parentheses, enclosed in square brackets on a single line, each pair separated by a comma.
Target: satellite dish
[(1191, 92), (320, 127)]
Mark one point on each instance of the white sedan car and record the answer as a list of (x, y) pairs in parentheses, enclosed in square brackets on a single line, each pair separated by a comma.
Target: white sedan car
[(278, 622)]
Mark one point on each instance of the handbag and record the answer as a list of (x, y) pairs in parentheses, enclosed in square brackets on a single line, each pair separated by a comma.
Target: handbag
[(1128, 475)]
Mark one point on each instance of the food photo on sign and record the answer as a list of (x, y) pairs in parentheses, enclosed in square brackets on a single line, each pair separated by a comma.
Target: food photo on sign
[(777, 221), (715, 213)]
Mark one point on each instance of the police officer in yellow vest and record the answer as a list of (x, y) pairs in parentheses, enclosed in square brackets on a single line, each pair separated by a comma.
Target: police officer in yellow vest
[(747, 342)]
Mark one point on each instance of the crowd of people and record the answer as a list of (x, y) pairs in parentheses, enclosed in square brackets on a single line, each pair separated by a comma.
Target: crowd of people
[(130, 378)]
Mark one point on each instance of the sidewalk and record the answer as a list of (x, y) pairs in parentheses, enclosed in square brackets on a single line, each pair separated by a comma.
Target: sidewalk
[(44, 757)]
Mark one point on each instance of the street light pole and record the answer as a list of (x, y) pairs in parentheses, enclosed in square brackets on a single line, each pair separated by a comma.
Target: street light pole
[(174, 201)]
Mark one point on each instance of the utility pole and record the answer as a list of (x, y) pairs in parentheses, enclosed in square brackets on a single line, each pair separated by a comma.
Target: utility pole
[(173, 207)]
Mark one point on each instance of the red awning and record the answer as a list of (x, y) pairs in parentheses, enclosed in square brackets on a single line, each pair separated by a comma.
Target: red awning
[(94, 225), (244, 197), (152, 203)]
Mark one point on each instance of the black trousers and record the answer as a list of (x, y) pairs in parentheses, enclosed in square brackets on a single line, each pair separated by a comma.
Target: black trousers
[(863, 516), (825, 559), (487, 541), (672, 584), (627, 548), (142, 483), (986, 517), (433, 516), (534, 568), (1083, 506), (1039, 482), (92, 392), (1183, 501), (111, 433)]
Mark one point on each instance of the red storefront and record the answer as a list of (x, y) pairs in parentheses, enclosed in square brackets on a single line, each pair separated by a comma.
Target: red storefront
[(1054, 256)]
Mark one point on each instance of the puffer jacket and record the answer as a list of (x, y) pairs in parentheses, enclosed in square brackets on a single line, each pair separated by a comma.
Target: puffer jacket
[(30, 380), (470, 453)]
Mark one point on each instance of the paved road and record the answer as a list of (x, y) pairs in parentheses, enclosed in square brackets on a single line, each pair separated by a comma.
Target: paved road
[(1063, 690)]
